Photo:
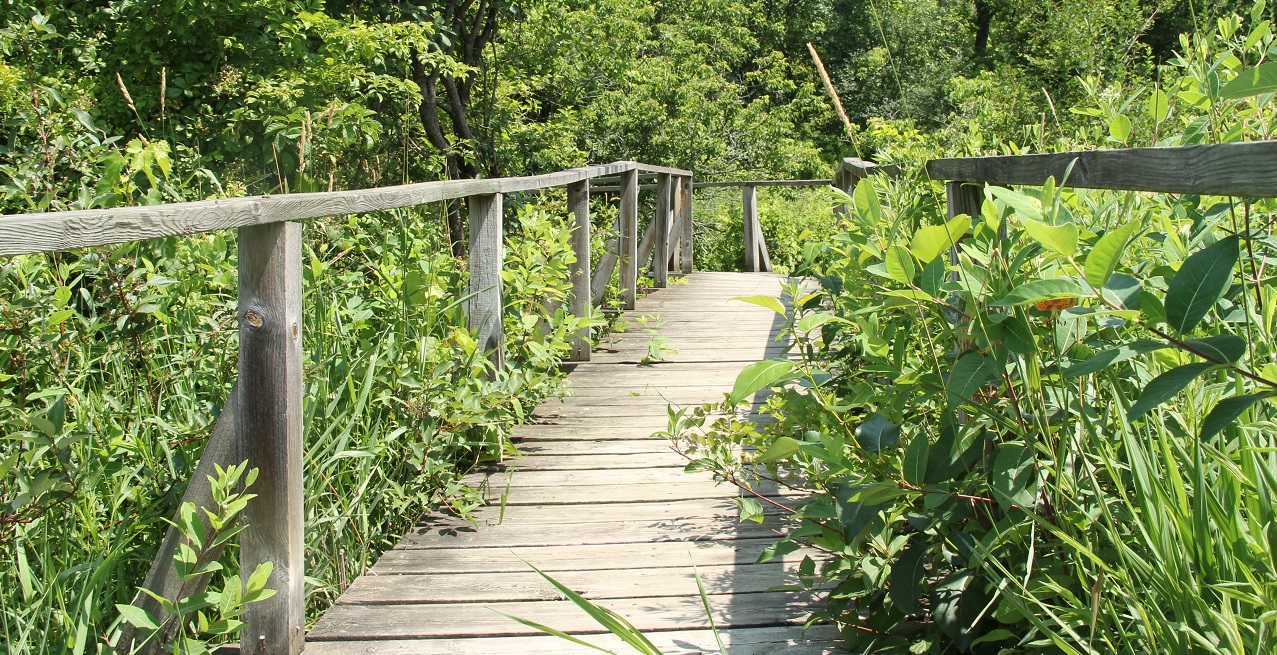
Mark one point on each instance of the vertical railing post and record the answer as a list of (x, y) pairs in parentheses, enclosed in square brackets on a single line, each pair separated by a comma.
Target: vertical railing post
[(662, 215), (961, 199), (269, 431), (687, 256), (846, 181), (749, 212), (485, 308), (629, 238), (579, 302)]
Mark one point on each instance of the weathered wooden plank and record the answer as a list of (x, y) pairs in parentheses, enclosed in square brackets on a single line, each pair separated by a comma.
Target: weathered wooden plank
[(29, 233), (485, 307), (629, 239), (457, 534), (579, 300), (771, 640), (528, 586), (609, 493), (270, 431), (777, 183), (596, 557), (749, 213), (517, 477), (1226, 169), (571, 517), (647, 614), (660, 170)]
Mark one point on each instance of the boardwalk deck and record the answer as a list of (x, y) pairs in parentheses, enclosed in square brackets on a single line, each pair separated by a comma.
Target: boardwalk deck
[(605, 509)]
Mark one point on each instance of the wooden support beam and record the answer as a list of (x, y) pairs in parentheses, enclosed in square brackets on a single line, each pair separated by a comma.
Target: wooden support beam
[(221, 448), (661, 221), (485, 307), (764, 258), (629, 239), (579, 302), (603, 274), (749, 213), (269, 431), (686, 234)]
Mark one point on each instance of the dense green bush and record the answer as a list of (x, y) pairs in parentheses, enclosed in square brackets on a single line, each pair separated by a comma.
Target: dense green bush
[(118, 359), (1063, 442)]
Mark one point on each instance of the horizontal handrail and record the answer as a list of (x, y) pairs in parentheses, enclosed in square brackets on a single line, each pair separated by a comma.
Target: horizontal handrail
[(792, 183), (45, 232), (1247, 169)]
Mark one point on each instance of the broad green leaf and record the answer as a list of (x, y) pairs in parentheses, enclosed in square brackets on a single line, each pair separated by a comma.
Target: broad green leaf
[(1227, 410), (1107, 254), (758, 375), (933, 276), (900, 265), (812, 321), (1061, 239), (763, 301), (1023, 205), (1112, 356), (1123, 291), (1014, 480), (1223, 348), (1120, 128), (1165, 386), (1200, 282), (930, 241), (907, 575), (970, 373), (877, 433), (137, 617), (914, 466), (957, 602), (781, 448), (750, 509), (1158, 105), (1252, 82), (876, 493), (865, 200), (778, 549), (1039, 290)]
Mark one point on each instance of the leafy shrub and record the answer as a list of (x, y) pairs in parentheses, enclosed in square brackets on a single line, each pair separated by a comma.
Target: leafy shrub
[(1061, 442)]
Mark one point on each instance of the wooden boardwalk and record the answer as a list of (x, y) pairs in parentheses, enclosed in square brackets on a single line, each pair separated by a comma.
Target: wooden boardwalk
[(603, 508)]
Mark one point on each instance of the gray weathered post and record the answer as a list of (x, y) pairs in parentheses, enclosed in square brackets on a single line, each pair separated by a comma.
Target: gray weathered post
[(687, 256), (660, 251), (845, 180), (485, 308), (269, 431), (961, 199), (629, 238), (749, 206), (579, 301)]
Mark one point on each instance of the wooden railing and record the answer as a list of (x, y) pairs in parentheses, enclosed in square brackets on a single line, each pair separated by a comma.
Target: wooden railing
[(1227, 169), (262, 419)]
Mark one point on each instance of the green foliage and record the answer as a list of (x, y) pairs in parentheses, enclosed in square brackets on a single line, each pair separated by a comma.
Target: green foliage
[(1059, 442), (194, 620)]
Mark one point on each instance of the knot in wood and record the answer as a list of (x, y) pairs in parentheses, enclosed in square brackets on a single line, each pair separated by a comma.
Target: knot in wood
[(253, 319)]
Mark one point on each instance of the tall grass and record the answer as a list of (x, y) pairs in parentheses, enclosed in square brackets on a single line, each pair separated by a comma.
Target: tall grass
[(116, 362)]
